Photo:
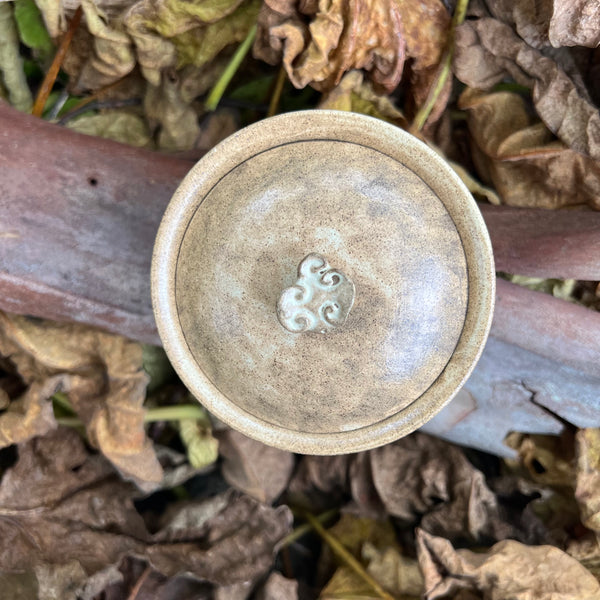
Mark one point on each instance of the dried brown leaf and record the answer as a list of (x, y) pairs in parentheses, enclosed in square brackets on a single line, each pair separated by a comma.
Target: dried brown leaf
[(217, 126), (251, 467), (586, 550), (61, 506), (118, 125), (529, 18), (356, 95), (4, 399), (587, 489), (173, 33), (225, 540), (526, 165), (539, 23), (508, 571), (575, 23), (19, 586), (31, 414), (487, 51), (136, 576), (341, 36), (547, 459), (398, 574), (113, 55), (320, 482), (278, 587), (423, 477), (200, 45), (155, 34), (103, 376), (425, 28), (373, 543), (174, 119)]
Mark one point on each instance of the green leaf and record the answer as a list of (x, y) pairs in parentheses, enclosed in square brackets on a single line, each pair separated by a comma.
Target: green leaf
[(32, 30)]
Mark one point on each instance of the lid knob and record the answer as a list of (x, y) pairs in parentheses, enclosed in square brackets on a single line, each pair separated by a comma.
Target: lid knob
[(320, 300)]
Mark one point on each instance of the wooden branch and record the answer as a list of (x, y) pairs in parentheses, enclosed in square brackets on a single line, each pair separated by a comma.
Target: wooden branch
[(78, 217), (561, 244)]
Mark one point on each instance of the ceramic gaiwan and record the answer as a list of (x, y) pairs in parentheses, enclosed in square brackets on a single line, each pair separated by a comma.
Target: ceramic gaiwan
[(323, 282)]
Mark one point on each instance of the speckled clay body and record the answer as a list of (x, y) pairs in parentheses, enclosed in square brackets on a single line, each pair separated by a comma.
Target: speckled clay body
[(390, 221)]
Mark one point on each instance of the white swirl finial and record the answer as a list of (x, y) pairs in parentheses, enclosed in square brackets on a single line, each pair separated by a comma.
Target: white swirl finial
[(319, 301)]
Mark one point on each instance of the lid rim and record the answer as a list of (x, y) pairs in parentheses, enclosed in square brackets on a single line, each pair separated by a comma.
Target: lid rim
[(480, 268)]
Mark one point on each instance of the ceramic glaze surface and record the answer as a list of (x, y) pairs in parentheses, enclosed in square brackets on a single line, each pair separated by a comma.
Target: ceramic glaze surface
[(376, 221), (363, 206), (320, 300)]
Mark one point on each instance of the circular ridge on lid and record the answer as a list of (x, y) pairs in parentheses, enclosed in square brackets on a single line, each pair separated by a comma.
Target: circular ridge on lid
[(381, 208)]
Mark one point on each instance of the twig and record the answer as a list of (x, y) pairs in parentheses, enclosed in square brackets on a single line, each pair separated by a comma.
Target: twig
[(97, 94), (445, 68), (59, 57), (139, 583), (302, 530), (175, 413), (158, 413), (58, 105), (97, 105), (276, 97), (219, 88), (62, 400), (347, 557)]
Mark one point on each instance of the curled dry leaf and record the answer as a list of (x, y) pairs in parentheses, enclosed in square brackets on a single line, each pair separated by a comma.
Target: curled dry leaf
[(356, 95), (586, 550), (200, 45), (227, 539), (278, 587), (547, 459), (251, 467), (173, 33), (103, 376), (136, 575), (320, 482), (340, 36), (487, 51), (175, 120), (573, 23), (61, 506), (587, 489), (113, 54), (118, 125), (425, 26), (423, 477), (31, 414), (521, 158), (156, 34), (508, 571), (373, 543), (425, 29)]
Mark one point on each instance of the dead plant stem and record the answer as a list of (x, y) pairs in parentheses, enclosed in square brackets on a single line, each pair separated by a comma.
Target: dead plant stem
[(59, 57), (338, 548), (444, 70), (302, 530), (276, 97)]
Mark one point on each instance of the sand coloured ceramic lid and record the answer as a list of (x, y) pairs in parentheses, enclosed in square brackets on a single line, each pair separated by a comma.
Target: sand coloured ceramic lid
[(323, 282)]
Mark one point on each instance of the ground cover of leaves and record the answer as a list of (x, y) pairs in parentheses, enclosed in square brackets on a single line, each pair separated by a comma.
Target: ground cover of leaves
[(115, 484)]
